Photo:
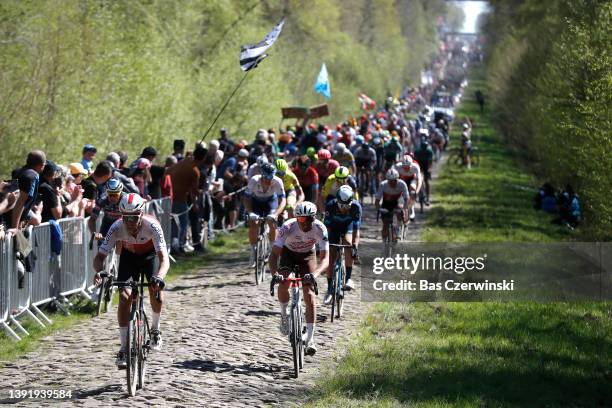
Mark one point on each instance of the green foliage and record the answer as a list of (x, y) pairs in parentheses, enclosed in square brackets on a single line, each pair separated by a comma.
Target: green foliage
[(551, 66), (123, 75)]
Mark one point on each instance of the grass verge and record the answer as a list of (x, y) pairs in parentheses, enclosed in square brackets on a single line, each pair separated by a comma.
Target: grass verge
[(83, 309), (478, 354)]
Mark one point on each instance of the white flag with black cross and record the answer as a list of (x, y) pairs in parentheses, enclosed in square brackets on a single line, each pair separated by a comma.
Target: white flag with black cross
[(253, 54)]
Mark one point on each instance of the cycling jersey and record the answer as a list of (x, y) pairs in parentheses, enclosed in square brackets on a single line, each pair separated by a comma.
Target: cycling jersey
[(389, 193), (290, 180), (392, 149), (331, 186), (409, 174), (365, 157), (345, 159), (293, 238), (150, 237), (255, 190), (338, 223), (326, 170)]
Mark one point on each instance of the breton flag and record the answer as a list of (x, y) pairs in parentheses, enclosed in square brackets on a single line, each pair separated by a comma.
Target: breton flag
[(322, 84), (253, 54)]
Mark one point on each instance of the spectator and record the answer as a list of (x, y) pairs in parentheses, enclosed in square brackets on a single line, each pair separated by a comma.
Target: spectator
[(89, 153), (178, 148), (570, 211), (93, 186), (76, 172), (140, 173), (28, 181), (49, 192), (123, 158), (546, 199), (8, 198), (231, 199), (128, 184), (166, 186), (215, 152), (185, 180), (226, 145)]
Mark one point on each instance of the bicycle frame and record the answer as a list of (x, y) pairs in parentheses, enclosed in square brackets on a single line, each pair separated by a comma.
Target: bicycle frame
[(338, 280)]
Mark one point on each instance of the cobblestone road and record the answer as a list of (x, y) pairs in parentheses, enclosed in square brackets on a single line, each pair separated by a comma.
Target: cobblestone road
[(222, 347)]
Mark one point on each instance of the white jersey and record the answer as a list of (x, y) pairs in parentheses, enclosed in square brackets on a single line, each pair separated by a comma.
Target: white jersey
[(409, 173), (150, 237), (388, 193), (275, 189), (291, 236), (253, 170)]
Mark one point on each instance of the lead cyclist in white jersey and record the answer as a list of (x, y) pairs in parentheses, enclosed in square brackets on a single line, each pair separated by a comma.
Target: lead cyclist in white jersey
[(295, 246), (142, 239)]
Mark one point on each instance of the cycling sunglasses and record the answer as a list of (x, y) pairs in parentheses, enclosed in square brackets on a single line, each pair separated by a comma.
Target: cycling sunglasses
[(113, 194), (344, 206), (304, 219), (131, 218)]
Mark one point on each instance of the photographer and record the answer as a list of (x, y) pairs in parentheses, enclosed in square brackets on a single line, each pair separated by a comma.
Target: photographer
[(7, 201), (49, 192)]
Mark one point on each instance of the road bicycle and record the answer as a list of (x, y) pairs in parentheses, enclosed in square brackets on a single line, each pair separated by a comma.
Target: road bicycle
[(457, 157), (362, 181), (105, 290), (139, 332), (261, 251), (338, 281), (394, 233), (296, 315)]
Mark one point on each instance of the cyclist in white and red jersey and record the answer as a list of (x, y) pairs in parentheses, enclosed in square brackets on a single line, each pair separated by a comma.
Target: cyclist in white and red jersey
[(142, 239), (410, 172), (390, 192), (295, 246)]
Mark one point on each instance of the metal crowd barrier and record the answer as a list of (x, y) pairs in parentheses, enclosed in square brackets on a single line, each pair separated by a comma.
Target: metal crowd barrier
[(53, 277)]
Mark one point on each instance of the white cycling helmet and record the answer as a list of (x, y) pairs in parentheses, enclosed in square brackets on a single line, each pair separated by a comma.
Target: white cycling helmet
[(344, 194), (132, 204), (305, 209), (392, 174), (340, 147), (261, 160), (423, 132)]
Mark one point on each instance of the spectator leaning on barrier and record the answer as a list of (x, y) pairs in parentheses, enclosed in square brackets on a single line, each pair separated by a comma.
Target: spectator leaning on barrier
[(140, 173), (89, 154), (8, 199), (128, 184), (49, 192), (28, 181), (93, 186), (185, 179)]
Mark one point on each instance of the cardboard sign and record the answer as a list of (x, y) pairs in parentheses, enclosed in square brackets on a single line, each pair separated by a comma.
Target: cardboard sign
[(319, 111), (298, 112)]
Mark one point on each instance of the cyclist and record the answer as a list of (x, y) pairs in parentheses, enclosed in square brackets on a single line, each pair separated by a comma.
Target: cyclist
[(342, 219), (390, 192), (295, 246), (255, 168), (325, 166), (141, 239), (378, 146), (308, 178), (424, 156), (293, 190), (466, 145), (264, 198), (392, 150), (410, 172), (365, 159), (358, 143), (345, 157), (340, 177), (109, 204)]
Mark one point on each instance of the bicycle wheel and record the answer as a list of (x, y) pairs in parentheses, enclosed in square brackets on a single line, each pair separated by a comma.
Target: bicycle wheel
[(132, 356), (144, 341), (422, 199), (258, 265), (101, 294), (334, 292), (300, 342), (295, 334), (340, 290)]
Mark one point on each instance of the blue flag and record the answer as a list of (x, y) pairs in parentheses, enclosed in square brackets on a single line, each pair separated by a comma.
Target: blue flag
[(322, 84)]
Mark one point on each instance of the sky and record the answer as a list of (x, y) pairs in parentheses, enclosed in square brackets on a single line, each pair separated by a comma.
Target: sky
[(472, 9)]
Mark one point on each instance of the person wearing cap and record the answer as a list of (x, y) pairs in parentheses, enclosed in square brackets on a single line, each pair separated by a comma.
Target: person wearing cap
[(226, 145), (89, 154), (49, 192), (128, 183)]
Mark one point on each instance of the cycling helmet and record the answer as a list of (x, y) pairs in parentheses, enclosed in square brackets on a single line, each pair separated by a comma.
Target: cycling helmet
[(466, 126), (305, 209), (377, 141), (423, 132), (392, 174), (359, 139), (114, 186), (311, 152), (341, 173), (268, 171), (131, 204), (340, 147), (324, 154), (407, 160), (261, 160), (281, 165), (344, 194)]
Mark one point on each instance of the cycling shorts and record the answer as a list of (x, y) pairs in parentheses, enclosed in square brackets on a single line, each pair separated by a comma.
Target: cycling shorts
[(390, 206), (305, 261), (263, 208), (336, 232), (131, 265), (363, 163)]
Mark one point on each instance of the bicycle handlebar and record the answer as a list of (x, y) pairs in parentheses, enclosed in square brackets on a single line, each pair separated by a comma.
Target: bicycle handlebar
[(133, 284)]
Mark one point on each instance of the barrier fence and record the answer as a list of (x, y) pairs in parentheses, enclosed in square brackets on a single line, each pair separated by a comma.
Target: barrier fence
[(53, 278)]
